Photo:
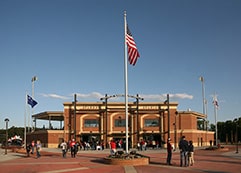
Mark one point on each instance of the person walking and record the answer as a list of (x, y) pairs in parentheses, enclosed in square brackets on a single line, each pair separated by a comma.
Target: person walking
[(63, 146), (32, 146), (169, 151), (183, 147), (38, 148), (73, 148), (112, 147), (28, 149), (190, 153)]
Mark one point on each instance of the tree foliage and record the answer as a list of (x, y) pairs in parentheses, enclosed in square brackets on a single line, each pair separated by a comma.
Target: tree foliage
[(228, 130), (19, 131)]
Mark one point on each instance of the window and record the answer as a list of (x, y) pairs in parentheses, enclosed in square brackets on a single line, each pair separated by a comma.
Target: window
[(120, 123), (91, 123), (151, 123)]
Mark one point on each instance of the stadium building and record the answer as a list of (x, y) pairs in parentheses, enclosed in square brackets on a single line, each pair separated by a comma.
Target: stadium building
[(103, 121)]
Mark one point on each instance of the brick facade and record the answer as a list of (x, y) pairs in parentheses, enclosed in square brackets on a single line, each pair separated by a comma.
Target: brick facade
[(149, 122)]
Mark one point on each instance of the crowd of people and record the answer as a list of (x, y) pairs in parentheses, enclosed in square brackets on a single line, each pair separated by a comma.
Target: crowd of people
[(144, 144), (186, 148), (32, 147), (74, 146), (186, 152)]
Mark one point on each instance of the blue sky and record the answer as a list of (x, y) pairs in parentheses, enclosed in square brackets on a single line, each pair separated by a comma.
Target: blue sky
[(75, 46)]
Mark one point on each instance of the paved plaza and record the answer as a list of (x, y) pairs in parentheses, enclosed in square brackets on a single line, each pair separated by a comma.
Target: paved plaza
[(206, 161)]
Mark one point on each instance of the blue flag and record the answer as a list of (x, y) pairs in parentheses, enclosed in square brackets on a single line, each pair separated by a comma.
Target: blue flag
[(31, 101)]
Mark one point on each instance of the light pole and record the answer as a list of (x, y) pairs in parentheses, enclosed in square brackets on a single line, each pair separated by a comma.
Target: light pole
[(203, 95), (236, 134), (161, 126), (175, 130), (75, 100), (6, 143), (106, 116), (34, 78), (137, 97), (204, 101), (168, 117), (215, 104)]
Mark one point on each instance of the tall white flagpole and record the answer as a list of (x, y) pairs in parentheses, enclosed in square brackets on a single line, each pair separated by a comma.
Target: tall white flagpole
[(205, 124), (203, 94), (25, 113), (29, 115), (126, 83)]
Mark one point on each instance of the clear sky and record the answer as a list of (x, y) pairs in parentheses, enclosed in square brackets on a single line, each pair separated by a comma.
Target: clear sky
[(77, 46)]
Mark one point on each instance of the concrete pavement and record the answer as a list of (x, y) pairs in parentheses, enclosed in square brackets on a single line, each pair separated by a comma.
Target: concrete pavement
[(92, 161), (9, 156)]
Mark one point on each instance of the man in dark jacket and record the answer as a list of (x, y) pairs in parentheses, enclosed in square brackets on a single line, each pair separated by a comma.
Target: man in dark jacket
[(28, 148), (183, 147), (169, 151)]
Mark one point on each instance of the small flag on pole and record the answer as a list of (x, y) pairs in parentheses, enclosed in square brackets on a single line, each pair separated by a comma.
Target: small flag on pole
[(31, 101), (215, 102), (133, 53)]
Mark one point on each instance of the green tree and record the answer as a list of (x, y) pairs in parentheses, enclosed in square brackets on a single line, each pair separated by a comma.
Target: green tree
[(227, 130), (19, 131), (212, 127), (221, 131)]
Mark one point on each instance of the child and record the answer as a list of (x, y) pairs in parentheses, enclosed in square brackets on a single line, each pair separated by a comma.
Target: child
[(28, 148), (38, 148), (190, 153), (63, 146)]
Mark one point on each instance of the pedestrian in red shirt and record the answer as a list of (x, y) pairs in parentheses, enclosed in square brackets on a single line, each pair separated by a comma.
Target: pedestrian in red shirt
[(73, 148), (112, 147)]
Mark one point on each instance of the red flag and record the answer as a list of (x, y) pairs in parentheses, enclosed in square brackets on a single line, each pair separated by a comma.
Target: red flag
[(133, 53)]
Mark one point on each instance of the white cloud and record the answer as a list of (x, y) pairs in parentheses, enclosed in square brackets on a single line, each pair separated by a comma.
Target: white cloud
[(55, 96), (95, 96), (181, 96), (163, 97)]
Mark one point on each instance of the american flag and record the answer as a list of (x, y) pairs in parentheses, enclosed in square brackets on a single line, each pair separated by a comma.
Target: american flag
[(133, 53), (215, 102)]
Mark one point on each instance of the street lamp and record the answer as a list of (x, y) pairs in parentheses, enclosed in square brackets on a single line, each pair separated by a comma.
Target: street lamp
[(168, 118), (236, 135), (6, 143), (203, 95), (137, 97), (106, 114), (75, 100), (161, 127), (175, 130), (204, 102), (215, 105)]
